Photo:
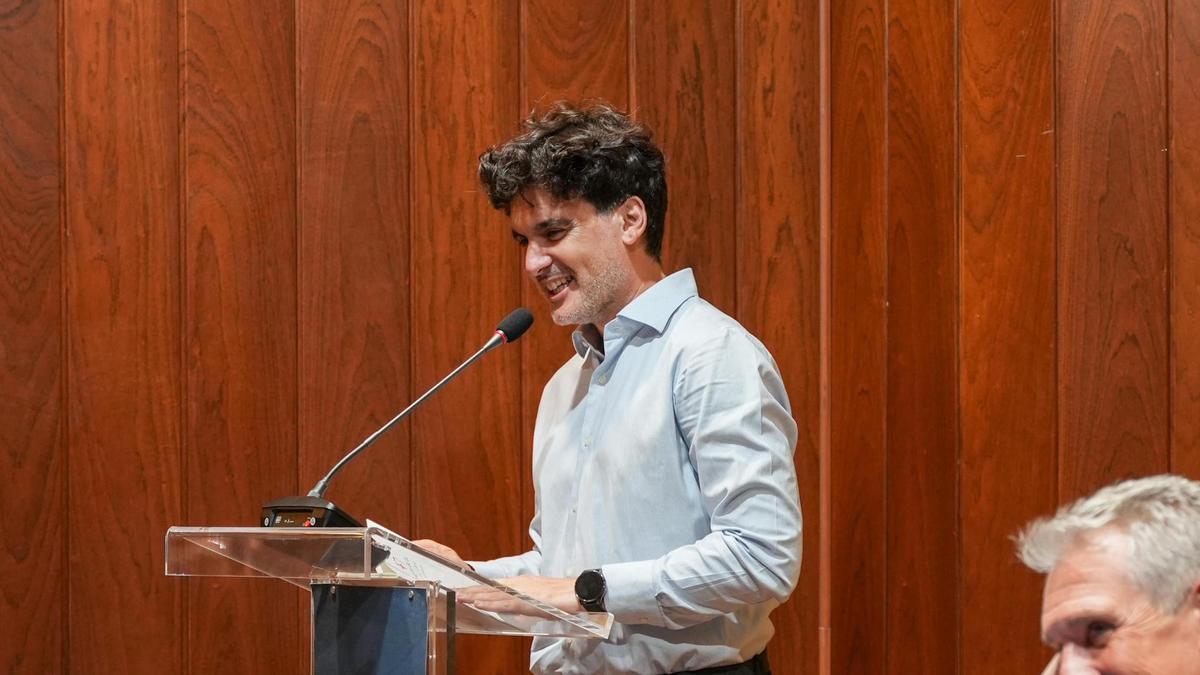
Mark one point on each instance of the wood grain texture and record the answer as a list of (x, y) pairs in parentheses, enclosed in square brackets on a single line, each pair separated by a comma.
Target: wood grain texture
[(572, 51), (1184, 69), (353, 260), (240, 313), (466, 276), (575, 51), (32, 455), (685, 88), (1006, 322), (858, 338), (122, 297), (1112, 202), (778, 262), (922, 419), (354, 252), (154, 374)]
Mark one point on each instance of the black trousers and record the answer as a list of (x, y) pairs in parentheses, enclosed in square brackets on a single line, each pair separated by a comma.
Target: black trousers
[(755, 666)]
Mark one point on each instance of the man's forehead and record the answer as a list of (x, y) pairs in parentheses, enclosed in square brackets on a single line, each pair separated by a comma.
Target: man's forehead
[(545, 211), (1089, 583), (1071, 613), (536, 197)]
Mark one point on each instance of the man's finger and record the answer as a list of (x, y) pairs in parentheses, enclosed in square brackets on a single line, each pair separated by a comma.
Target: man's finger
[(440, 549)]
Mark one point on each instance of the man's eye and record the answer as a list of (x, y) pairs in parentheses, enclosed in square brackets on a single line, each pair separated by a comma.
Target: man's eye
[(521, 241), (1098, 633)]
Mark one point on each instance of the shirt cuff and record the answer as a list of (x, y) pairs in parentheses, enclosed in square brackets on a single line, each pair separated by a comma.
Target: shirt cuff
[(632, 596), (492, 569)]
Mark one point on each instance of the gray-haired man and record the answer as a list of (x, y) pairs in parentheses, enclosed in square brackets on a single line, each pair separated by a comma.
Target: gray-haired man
[(1122, 593)]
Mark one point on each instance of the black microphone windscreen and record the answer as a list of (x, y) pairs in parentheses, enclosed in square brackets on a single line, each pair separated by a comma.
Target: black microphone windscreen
[(515, 324)]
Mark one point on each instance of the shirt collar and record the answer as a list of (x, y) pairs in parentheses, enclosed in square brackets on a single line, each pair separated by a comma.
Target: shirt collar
[(653, 308)]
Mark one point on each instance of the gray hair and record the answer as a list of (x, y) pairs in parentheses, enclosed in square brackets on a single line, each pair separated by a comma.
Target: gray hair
[(1159, 516)]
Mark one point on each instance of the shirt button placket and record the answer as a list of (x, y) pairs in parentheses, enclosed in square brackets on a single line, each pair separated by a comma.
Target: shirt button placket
[(592, 402)]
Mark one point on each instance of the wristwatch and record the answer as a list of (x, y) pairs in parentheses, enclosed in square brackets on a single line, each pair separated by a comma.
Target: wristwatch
[(590, 590)]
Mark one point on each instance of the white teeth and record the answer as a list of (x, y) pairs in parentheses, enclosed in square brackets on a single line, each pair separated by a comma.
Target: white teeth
[(558, 286)]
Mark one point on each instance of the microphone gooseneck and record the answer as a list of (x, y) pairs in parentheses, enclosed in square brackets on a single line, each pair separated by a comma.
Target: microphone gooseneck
[(510, 329)]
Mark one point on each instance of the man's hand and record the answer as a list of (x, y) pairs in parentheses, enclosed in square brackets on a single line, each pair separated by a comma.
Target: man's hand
[(441, 549), (557, 592)]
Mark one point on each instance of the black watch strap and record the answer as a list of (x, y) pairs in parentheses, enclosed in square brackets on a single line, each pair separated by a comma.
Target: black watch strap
[(590, 590)]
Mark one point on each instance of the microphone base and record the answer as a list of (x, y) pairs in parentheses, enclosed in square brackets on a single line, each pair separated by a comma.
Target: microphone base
[(305, 512)]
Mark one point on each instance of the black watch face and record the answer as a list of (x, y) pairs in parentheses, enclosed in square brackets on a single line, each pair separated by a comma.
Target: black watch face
[(589, 586)]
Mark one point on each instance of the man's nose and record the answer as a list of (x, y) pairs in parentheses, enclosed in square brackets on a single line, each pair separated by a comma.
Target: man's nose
[(1076, 660), (536, 259)]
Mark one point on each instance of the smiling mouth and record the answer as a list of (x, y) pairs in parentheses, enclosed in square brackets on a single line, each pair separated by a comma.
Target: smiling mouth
[(555, 287)]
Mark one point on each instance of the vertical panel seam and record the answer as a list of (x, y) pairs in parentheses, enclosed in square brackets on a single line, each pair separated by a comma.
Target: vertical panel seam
[(825, 324), (523, 401), (410, 31), (958, 359), (297, 225), (522, 58), (297, 244), (65, 337), (739, 202), (887, 278), (631, 59), (182, 324), (1170, 258), (1056, 25)]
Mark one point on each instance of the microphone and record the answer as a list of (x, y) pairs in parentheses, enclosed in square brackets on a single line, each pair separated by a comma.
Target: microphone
[(312, 510)]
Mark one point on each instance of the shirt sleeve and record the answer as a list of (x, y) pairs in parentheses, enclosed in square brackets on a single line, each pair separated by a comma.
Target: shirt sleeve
[(529, 562), (733, 414)]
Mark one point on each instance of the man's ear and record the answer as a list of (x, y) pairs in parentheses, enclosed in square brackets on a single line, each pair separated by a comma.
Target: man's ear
[(1191, 606), (633, 220), (1193, 598)]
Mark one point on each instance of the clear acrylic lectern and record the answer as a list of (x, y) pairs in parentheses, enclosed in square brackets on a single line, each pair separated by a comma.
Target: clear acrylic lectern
[(380, 604)]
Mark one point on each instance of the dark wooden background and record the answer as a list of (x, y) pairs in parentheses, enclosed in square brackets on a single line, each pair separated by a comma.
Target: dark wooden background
[(237, 236)]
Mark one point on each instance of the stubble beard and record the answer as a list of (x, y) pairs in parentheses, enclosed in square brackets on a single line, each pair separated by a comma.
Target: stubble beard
[(595, 298)]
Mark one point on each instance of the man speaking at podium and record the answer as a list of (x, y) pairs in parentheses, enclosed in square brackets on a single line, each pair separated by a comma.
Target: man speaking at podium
[(662, 454)]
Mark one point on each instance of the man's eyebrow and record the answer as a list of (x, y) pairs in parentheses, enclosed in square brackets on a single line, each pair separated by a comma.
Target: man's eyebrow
[(1057, 631), (546, 224), (1071, 627), (553, 222)]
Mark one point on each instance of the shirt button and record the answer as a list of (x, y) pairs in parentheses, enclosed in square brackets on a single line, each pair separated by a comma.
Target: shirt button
[(587, 442), (604, 379)]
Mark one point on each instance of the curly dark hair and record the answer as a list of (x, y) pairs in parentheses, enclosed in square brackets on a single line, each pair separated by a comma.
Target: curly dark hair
[(594, 152)]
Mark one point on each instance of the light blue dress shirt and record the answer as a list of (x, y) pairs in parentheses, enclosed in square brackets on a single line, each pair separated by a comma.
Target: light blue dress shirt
[(665, 460)]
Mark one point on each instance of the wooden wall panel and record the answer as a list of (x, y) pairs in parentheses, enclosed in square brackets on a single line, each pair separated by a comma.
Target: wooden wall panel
[(858, 338), (557, 38), (779, 246), (1112, 201), (354, 252), (922, 419), (1184, 237), (353, 277), (32, 537), (1006, 322), (240, 314), (466, 277), (778, 261), (685, 88), (121, 192), (337, 257)]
